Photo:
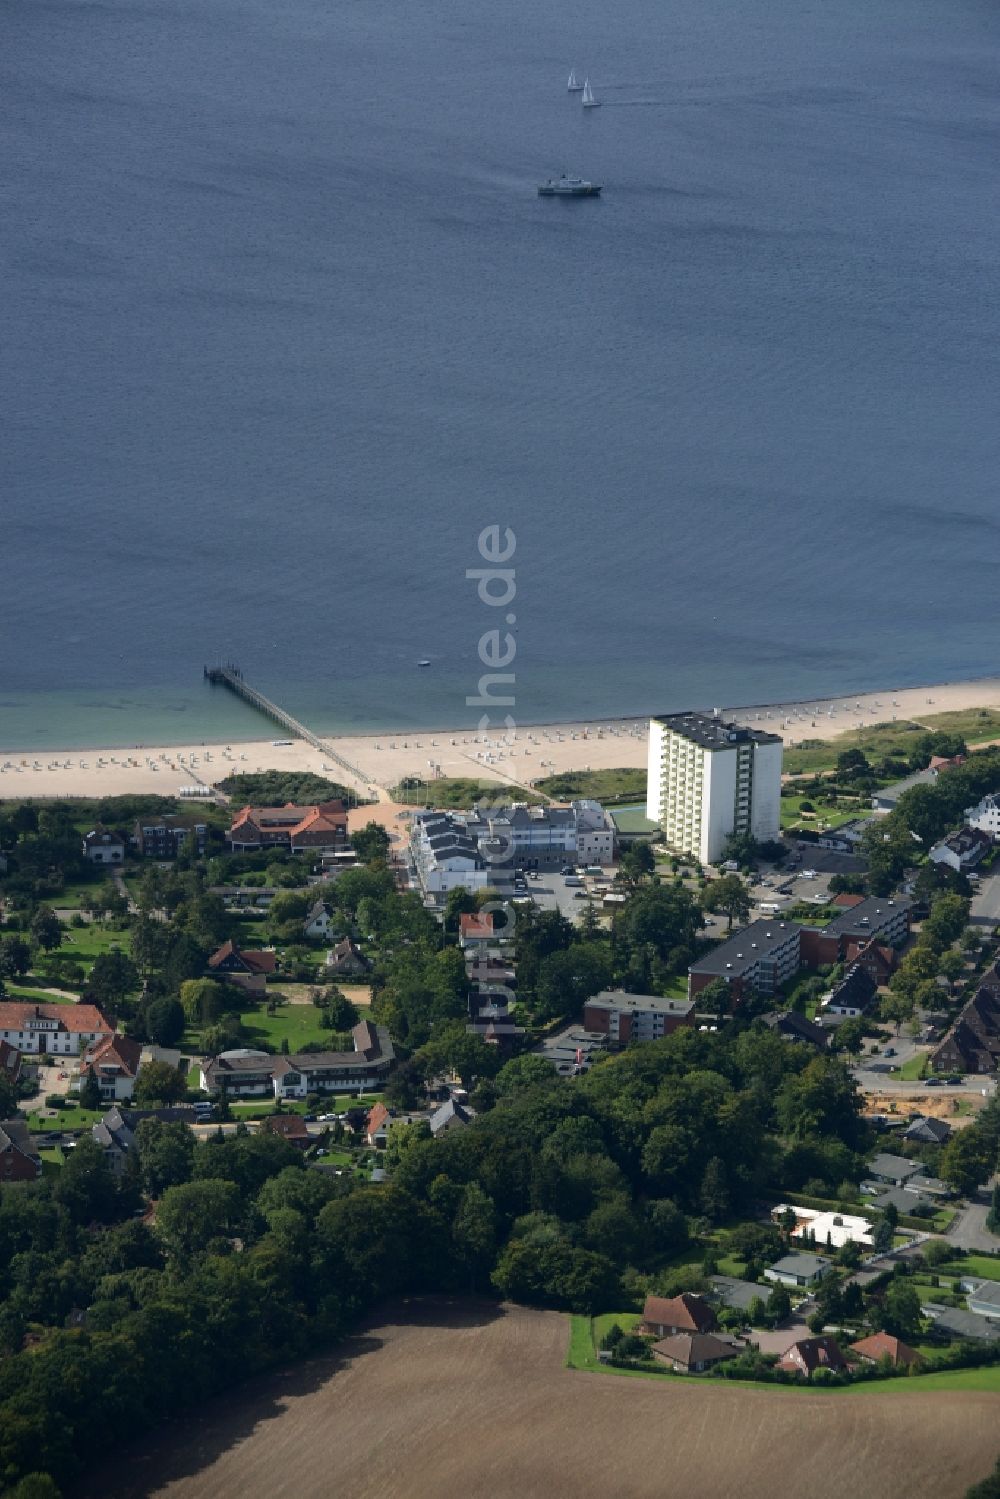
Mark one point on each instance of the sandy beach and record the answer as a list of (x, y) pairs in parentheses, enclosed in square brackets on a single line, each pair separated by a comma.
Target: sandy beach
[(522, 757)]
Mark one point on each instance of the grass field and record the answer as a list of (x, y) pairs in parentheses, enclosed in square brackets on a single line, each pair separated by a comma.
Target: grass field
[(976, 725), (296, 1024), (460, 792), (972, 1265), (600, 785)]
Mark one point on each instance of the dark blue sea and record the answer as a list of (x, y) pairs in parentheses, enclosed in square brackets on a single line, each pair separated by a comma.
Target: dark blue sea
[(285, 326)]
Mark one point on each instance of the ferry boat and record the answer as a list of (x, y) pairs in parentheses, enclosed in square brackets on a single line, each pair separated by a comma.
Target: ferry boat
[(568, 187)]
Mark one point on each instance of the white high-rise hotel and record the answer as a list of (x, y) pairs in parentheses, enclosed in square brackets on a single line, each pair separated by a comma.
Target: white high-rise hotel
[(709, 778)]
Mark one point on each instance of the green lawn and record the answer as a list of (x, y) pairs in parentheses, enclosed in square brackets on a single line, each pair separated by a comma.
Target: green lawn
[(913, 1069), (824, 816), (73, 1119), (37, 996), (972, 1265), (296, 1024)]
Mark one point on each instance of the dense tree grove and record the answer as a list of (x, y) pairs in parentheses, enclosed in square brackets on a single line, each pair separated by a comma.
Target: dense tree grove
[(565, 1194)]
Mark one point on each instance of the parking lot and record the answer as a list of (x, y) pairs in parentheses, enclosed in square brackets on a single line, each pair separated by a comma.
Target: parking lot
[(550, 892)]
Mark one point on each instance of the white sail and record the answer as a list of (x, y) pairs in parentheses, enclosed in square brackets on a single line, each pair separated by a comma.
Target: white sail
[(572, 85)]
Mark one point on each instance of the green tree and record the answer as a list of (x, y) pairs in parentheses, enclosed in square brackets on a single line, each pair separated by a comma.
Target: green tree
[(159, 1083), (190, 1216), (164, 1020), (90, 1091), (951, 967), (474, 1232), (15, 957), (36, 1486), (46, 928), (113, 977), (371, 843), (901, 1310), (730, 897), (715, 1193), (636, 864), (715, 998), (967, 1160), (203, 1000), (166, 1154), (779, 1305)]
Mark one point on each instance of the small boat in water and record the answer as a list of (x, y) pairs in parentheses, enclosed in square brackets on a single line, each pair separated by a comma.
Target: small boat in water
[(588, 100), (572, 86), (569, 187), (424, 661)]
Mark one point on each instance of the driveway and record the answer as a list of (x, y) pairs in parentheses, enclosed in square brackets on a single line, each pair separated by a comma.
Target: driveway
[(49, 1081)]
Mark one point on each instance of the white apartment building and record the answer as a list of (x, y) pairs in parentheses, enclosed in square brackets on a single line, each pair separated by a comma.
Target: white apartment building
[(985, 816), (709, 778)]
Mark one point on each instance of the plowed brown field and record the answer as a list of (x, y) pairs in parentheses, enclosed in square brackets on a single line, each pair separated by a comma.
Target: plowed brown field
[(467, 1401)]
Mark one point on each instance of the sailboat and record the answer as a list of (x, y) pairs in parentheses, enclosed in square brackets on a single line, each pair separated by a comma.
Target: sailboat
[(588, 101), (572, 86)]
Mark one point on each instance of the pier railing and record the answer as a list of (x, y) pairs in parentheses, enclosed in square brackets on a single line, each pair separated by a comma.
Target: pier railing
[(232, 677)]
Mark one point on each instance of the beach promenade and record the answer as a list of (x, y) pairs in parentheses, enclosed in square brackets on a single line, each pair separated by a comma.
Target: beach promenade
[(521, 758)]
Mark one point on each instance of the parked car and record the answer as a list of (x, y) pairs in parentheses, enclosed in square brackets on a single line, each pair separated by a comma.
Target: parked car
[(932, 1082), (956, 1082), (890, 1051)]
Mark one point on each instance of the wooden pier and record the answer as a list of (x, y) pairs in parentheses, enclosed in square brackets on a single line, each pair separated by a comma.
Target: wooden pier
[(232, 677)]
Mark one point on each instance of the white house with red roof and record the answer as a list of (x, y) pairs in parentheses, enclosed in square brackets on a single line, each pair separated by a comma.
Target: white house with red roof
[(50, 1029), (116, 1062)]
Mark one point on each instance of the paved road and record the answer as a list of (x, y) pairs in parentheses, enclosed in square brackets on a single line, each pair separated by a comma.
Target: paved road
[(884, 1082), (969, 1230), (986, 902)]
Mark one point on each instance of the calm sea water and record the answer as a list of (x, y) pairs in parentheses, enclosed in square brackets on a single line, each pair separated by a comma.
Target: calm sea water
[(285, 325)]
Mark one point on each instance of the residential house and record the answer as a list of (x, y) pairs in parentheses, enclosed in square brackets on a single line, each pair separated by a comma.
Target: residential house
[(985, 816), (101, 846), (572, 1050), (810, 1354), (245, 1073), (893, 1170), (973, 1043), (793, 1026), (694, 1352), (10, 1063), (346, 960), (290, 1127), (116, 1132), (884, 801), (963, 850), (444, 856), (927, 1130), (116, 1062), (664, 1317), (798, 1269), (476, 932), (965, 1326), (449, 1116), (738, 1294), (854, 995), (19, 1159), (48, 1029), (877, 960), (755, 960), (318, 920), (376, 1126), (243, 897), (830, 1229), (845, 839), (984, 1300), (159, 836), (319, 828), (901, 1198), (882, 1345), (247, 968), (624, 1018)]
